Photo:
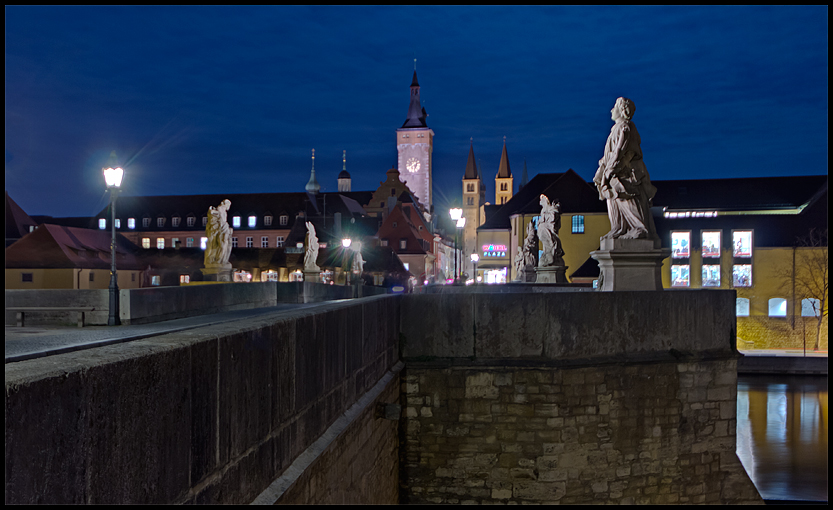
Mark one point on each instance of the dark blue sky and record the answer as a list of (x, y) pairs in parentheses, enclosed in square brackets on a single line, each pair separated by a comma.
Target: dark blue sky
[(233, 99)]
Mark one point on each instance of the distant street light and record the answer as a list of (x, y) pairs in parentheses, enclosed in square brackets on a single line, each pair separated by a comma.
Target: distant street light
[(346, 261), (474, 258), (113, 177), (456, 213), (461, 222)]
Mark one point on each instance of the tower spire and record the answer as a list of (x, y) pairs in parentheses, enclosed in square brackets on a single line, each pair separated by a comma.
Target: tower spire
[(313, 186)]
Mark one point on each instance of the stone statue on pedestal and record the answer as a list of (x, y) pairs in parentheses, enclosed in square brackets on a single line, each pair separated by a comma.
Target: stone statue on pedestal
[(548, 227), (311, 254), (528, 255), (218, 244), (623, 180), (630, 255), (358, 261)]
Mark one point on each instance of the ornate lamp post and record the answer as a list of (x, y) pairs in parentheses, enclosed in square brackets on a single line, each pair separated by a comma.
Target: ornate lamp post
[(474, 258), (460, 224), (113, 177), (347, 266), (456, 214)]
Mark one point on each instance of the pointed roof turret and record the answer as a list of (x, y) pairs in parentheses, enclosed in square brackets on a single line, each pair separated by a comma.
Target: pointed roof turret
[(471, 166), (312, 186), (416, 113), (503, 171)]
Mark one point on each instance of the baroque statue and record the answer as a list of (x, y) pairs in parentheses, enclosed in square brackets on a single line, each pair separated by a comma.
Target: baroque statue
[(358, 261), (623, 180), (311, 254), (527, 257), (548, 227), (218, 232)]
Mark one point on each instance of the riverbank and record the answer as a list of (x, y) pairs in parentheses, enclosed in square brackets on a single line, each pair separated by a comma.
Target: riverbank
[(782, 361)]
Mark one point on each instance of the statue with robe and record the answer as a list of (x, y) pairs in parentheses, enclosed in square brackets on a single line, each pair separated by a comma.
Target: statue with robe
[(548, 227), (311, 254), (623, 180), (218, 233)]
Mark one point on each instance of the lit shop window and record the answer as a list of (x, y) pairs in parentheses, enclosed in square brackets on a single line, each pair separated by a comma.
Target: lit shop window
[(680, 245), (190, 221), (145, 222), (264, 242), (267, 220), (742, 307), (242, 276), (578, 224), (235, 221), (189, 242), (184, 278), (711, 275), (118, 223), (131, 223), (742, 243), (742, 275), (250, 242), (203, 243), (680, 275), (234, 242), (252, 221), (269, 276), (146, 243), (810, 307), (102, 224), (160, 242), (711, 244), (777, 307), (175, 221), (160, 222)]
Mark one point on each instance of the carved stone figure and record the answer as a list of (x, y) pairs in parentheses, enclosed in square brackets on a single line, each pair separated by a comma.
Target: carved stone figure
[(218, 232), (622, 179), (518, 264), (530, 249), (548, 227), (358, 261), (311, 254)]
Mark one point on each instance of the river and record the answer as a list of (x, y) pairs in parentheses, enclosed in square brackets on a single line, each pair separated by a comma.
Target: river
[(782, 435)]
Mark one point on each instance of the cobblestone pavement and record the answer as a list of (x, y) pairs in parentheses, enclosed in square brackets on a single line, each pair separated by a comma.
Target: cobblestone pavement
[(38, 341)]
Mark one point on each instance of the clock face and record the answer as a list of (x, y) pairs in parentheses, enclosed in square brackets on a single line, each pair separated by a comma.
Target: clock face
[(412, 165)]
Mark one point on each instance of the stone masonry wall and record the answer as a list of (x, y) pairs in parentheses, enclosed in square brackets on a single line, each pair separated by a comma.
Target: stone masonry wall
[(645, 433), (759, 332)]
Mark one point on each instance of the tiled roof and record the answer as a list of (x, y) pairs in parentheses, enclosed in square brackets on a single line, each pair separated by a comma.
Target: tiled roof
[(55, 246), (748, 193), (17, 221)]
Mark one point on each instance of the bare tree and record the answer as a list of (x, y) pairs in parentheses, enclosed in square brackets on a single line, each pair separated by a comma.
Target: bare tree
[(809, 276)]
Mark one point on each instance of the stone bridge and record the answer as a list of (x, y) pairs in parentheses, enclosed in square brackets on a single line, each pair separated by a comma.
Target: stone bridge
[(564, 397)]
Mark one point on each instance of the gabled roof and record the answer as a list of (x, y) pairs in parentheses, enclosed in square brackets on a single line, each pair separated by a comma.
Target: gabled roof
[(55, 246), (406, 228), (17, 221)]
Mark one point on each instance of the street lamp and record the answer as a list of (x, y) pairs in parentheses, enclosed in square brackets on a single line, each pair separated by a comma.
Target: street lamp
[(460, 224), (456, 213), (474, 258), (113, 177), (346, 266)]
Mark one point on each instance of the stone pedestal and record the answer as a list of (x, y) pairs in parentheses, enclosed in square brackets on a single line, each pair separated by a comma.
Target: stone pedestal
[(526, 275), (551, 274), (630, 264), (217, 272), (312, 276)]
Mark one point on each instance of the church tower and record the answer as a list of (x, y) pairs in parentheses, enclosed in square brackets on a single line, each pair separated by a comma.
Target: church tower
[(414, 145), (504, 179), (474, 195)]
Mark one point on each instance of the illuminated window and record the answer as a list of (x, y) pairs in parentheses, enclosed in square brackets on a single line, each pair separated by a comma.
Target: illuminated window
[(279, 241), (160, 221), (189, 242), (131, 223), (680, 245), (742, 243), (777, 307), (711, 275), (175, 221), (810, 307), (264, 242), (156, 280), (403, 243), (234, 242), (249, 242), (267, 220), (145, 222), (384, 242), (710, 241), (235, 221), (742, 275), (470, 187), (146, 242), (203, 243), (184, 278), (102, 224), (160, 242), (680, 275), (118, 223), (742, 307), (284, 219), (175, 242), (190, 221), (252, 221), (578, 224)]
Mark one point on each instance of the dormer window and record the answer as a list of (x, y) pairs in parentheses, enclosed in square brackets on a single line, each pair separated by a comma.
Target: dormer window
[(145, 222), (252, 221), (190, 220), (235, 221), (284, 220), (267, 221), (175, 221), (160, 221)]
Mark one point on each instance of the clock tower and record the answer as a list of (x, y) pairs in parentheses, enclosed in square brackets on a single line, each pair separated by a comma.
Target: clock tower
[(414, 145)]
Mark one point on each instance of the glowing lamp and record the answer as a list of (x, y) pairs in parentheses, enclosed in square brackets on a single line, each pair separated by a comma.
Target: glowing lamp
[(346, 242), (113, 177), (475, 257), (456, 213), (461, 222)]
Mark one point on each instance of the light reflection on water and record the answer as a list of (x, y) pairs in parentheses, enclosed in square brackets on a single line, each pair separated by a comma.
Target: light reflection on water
[(782, 435)]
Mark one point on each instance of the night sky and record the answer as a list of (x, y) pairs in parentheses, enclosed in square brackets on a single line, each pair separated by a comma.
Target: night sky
[(232, 99)]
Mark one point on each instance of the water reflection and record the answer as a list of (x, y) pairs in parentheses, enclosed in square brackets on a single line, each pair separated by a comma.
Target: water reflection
[(782, 435)]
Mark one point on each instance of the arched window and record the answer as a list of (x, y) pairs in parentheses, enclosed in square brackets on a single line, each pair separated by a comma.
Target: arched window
[(742, 307), (810, 307), (777, 307)]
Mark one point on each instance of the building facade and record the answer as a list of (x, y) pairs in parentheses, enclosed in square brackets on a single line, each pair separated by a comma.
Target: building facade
[(414, 146)]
